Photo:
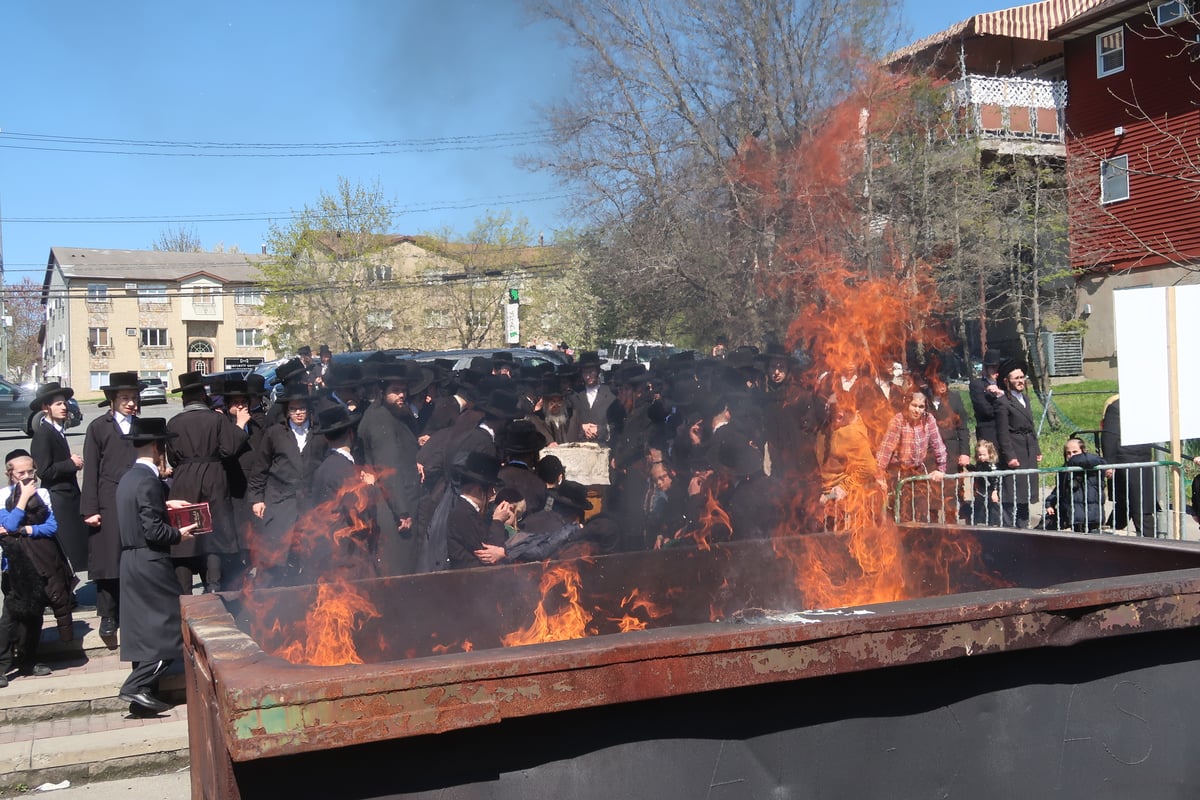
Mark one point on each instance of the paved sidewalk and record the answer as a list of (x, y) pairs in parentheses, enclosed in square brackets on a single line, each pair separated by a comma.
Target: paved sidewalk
[(172, 786)]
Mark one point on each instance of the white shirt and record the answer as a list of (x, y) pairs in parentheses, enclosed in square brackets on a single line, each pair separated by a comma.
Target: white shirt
[(346, 453), (149, 462), (122, 422), (301, 434), (591, 392)]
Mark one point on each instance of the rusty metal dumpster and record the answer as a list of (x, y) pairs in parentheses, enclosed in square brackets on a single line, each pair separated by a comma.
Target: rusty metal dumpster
[(1051, 665)]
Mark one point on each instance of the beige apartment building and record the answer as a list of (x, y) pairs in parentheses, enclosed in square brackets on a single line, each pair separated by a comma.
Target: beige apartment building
[(160, 313)]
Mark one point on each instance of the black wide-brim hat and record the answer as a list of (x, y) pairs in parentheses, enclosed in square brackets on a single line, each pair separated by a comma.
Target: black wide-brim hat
[(590, 358), (289, 369), (47, 392), (234, 386), (572, 494), (501, 405), (256, 384), (336, 419), (119, 381), (1009, 365), (189, 381), (478, 468), (344, 376), (523, 437), (294, 390), (416, 376), (144, 430), (992, 358)]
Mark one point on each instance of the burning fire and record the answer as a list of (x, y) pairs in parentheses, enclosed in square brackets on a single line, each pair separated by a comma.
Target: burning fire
[(329, 627), (559, 615)]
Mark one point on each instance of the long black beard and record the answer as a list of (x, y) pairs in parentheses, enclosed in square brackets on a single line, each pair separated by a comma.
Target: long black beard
[(557, 423)]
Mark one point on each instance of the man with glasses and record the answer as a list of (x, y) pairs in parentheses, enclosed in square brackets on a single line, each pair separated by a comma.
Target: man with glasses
[(1016, 436)]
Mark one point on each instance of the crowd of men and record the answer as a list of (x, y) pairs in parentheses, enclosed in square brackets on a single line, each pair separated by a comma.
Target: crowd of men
[(390, 466)]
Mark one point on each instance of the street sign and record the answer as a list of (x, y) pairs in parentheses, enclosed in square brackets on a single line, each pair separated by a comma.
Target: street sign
[(242, 363), (512, 323)]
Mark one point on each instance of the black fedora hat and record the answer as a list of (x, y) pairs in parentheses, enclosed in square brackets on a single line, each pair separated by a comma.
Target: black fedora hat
[(478, 468), (118, 381), (256, 384), (523, 437), (501, 404), (344, 376), (189, 381), (335, 419), (144, 430), (47, 392), (992, 358), (572, 494), (324, 350), (590, 358), (289, 369), (740, 457), (304, 351), (1011, 365), (294, 390), (416, 376), (233, 386)]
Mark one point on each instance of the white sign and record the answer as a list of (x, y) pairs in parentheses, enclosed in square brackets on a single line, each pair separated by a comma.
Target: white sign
[(512, 323), (1140, 326)]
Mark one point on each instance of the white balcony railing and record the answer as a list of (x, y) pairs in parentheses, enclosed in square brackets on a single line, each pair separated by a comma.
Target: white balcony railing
[(1013, 108)]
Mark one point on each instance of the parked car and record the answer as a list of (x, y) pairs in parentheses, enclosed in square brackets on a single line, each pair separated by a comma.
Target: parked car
[(16, 415), (154, 391), (523, 356), (637, 350)]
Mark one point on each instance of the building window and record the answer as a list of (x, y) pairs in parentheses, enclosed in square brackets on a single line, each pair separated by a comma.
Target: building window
[(437, 318), (246, 296), (152, 292), (163, 375), (1168, 13), (154, 337), (249, 337), (1110, 52), (98, 337), (1114, 179), (96, 380), (203, 295), (380, 272), (380, 319), (97, 292)]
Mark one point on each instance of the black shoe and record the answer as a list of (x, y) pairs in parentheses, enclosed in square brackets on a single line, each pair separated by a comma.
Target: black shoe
[(108, 626), (3, 682), (144, 700), (37, 671)]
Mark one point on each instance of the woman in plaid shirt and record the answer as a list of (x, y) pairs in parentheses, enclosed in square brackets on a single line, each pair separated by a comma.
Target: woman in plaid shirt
[(912, 446)]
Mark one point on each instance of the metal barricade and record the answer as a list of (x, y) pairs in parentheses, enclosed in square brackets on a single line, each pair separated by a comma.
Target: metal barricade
[(1110, 498)]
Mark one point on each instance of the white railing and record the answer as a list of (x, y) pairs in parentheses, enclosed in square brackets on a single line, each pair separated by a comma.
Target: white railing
[(1018, 108), (1110, 498)]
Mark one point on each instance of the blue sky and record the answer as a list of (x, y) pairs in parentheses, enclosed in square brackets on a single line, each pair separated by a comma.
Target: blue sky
[(441, 81)]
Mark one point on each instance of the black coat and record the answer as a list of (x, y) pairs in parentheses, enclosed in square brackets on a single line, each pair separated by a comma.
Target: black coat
[(1077, 499), (469, 530), (951, 416), (150, 622), (596, 413), (345, 541), (59, 476), (390, 447), (1016, 436), (984, 404), (282, 480), (106, 459), (206, 439)]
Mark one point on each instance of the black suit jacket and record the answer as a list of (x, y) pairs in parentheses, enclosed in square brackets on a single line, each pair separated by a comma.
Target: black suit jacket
[(107, 458), (596, 413)]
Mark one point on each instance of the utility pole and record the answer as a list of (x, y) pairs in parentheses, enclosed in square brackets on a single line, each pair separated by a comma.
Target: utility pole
[(4, 318)]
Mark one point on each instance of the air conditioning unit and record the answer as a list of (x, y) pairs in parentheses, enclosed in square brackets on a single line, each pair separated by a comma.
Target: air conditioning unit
[(131, 287), (1064, 353), (1166, 13)]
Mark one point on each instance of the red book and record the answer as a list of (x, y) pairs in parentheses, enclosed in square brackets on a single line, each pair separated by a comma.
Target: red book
[(194, 514)]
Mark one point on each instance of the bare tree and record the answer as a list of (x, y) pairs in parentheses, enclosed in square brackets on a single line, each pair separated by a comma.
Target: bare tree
[(669, 93), (178, 239), (23, 304)]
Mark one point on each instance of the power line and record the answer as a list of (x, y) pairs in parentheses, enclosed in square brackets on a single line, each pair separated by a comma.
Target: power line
[(201, 149), (266, 216)]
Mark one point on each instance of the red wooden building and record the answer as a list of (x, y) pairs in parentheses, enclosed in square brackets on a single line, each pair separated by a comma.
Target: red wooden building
[(1133, 149)]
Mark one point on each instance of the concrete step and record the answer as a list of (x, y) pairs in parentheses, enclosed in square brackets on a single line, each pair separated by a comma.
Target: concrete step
[(96, 747), (87, 639), (77, 692)]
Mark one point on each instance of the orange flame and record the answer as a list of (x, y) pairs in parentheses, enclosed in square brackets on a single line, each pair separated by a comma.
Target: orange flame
[(560, 588), (329, 627), (635, 602)]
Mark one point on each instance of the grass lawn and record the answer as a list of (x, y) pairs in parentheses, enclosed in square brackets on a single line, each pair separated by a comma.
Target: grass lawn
[(1078, 406)]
